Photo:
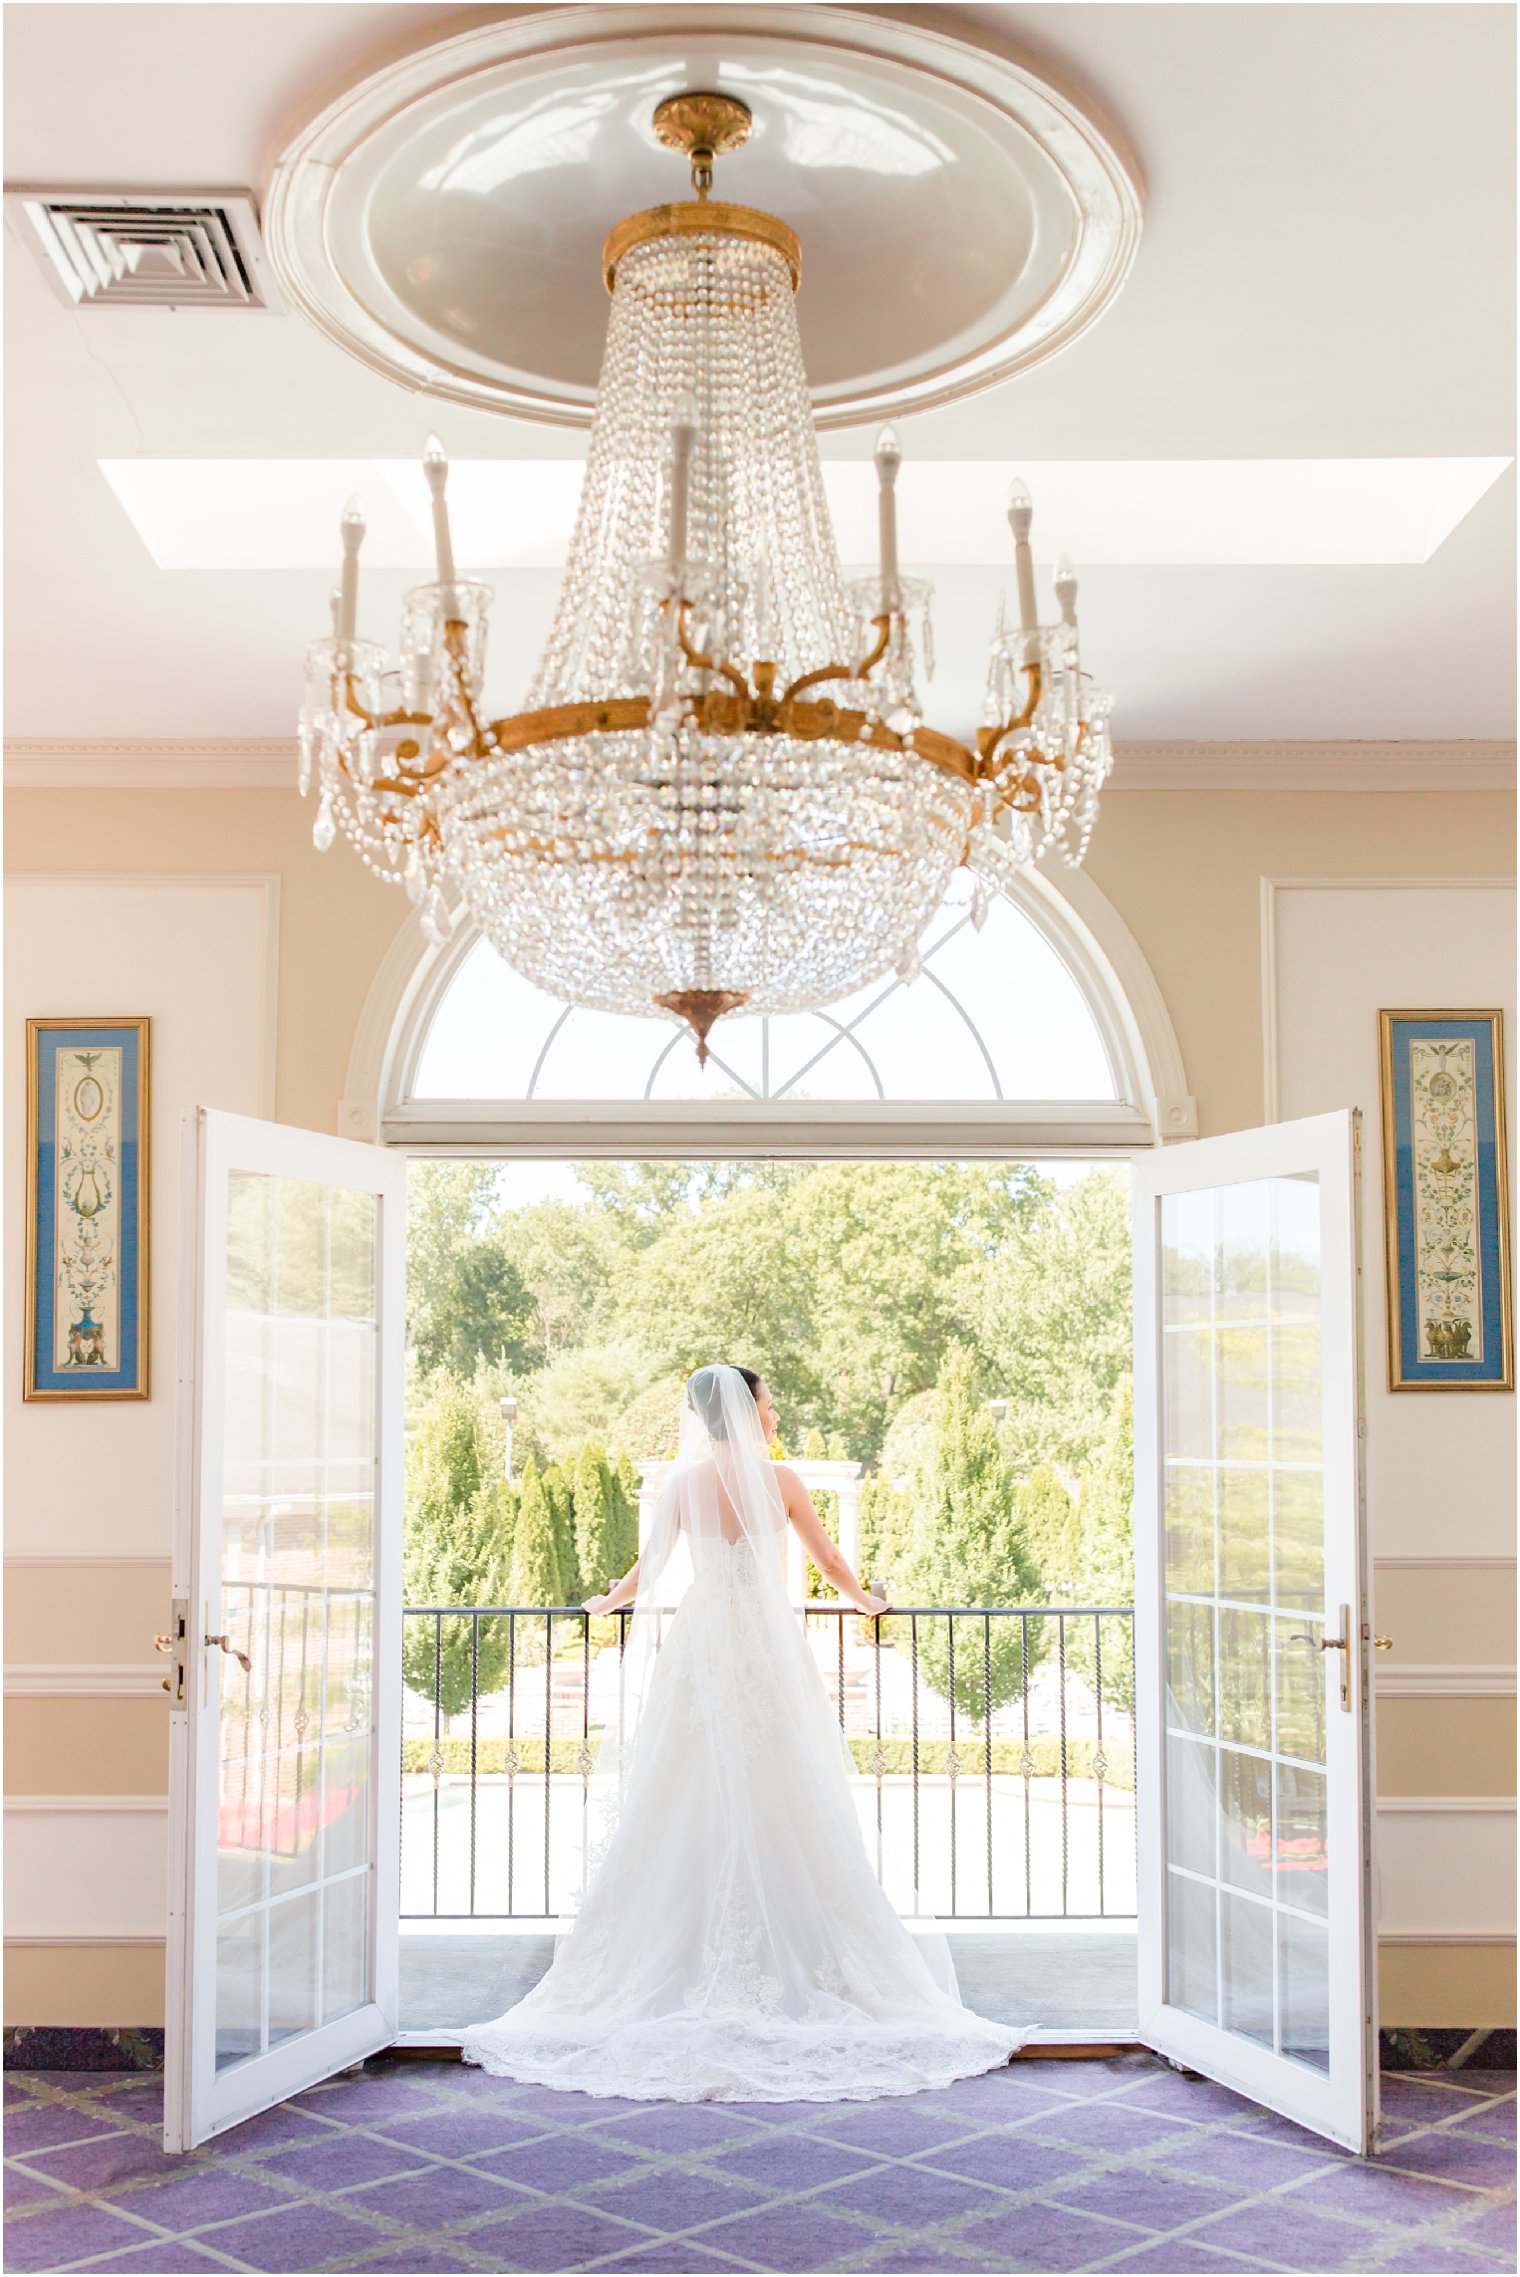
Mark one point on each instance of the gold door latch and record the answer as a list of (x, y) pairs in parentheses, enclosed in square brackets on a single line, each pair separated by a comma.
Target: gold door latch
[(229, 1647), (176, 1642), (1340, 1644)]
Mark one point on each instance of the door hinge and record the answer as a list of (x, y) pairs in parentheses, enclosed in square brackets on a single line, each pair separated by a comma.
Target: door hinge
[(177, 1642)]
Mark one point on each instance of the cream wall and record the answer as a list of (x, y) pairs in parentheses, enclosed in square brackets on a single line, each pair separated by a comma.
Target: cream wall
[(85, 1728)]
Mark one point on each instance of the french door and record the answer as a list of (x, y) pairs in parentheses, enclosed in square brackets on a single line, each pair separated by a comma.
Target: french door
[(284, 1738), (1256, 1936)]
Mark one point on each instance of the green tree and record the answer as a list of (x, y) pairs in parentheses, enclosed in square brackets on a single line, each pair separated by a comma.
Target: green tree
[(598, 1531), (722, 1285), (560, 1496), (1107, 1551), (883, 1251), (1047, 1519), (562, 1256), (642, 1199), (885, 1515), (967, 1547), (535, 1575), (480, 1311), (582, 1394), (460, 1518), (625, 1492), (1048, 1309), (465, 1300)]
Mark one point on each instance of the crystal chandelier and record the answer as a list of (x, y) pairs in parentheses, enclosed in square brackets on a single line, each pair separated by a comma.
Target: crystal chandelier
[(722, 793)]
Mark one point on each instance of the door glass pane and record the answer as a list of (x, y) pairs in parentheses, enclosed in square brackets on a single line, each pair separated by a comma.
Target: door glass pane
[(1192, 1957), (1243, 1493), (1303, 1975), (295, 1842)]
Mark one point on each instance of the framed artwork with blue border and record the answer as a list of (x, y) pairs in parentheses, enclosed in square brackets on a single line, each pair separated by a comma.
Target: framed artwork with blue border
[(1446, 1202), (86, 1209)]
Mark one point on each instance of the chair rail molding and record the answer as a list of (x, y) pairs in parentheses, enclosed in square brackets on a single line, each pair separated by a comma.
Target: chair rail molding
[(1445, 1680), (82, 1680)]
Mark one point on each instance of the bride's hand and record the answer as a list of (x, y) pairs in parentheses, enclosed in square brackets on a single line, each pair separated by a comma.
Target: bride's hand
[(873, 1607), (596, 1604)]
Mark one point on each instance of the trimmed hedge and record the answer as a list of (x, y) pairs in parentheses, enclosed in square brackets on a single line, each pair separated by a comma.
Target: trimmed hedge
[(1007, 1757)]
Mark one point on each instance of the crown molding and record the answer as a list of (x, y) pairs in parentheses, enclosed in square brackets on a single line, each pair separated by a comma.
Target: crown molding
[(204, 764), (1415, 766)]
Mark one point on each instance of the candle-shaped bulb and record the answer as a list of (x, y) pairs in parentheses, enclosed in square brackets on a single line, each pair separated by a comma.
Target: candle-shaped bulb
[(683, 437), (1020, 515), (435, 468), (351, 528), (888, 465), (683, 422), (763, 643), (1066, 588)]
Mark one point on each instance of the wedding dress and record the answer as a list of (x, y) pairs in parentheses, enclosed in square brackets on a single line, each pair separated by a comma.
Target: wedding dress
[(732, 1941)]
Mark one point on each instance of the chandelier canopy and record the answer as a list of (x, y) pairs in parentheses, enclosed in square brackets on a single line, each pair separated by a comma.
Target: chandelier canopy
[(722, 792)]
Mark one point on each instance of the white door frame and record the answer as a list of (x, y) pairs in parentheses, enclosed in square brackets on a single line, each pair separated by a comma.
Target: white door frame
[(199, 2102), (1341, 2104)]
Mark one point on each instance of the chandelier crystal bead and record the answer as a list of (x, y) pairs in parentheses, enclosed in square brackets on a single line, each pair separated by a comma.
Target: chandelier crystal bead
[(721, 792)]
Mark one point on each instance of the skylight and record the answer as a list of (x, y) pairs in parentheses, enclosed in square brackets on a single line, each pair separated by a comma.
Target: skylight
[(1106, 513)]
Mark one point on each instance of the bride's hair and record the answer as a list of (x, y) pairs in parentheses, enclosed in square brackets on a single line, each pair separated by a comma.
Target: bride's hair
[(704, 1395)]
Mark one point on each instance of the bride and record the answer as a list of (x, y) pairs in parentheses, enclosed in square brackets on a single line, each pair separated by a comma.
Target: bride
[(733, 1943)]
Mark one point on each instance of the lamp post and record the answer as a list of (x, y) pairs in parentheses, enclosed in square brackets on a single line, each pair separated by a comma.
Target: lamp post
[(998, 1410), (509, 1417)]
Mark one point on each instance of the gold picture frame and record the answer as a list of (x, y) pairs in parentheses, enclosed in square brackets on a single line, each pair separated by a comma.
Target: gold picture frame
[(1446, 1242), (88, 1158)]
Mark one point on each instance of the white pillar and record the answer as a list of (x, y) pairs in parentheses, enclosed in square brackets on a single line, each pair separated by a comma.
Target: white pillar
[(652, 1478), (849, 1520), (796, 1567)]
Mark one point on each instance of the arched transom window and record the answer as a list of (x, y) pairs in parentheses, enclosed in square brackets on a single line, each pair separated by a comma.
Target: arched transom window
[(993, 1016)]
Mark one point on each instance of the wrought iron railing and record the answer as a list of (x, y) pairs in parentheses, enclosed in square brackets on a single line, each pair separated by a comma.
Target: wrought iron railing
[(993, 1745)]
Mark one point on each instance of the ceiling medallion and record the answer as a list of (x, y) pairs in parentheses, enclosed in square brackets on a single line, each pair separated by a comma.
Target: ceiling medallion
[(439, 219), (722, 792)]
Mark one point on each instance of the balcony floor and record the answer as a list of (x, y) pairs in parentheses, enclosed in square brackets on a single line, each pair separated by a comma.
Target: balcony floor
[(1071, 1982)]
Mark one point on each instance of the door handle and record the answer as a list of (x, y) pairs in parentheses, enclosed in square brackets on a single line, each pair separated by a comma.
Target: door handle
[(1340, 1644), (228, 1646)]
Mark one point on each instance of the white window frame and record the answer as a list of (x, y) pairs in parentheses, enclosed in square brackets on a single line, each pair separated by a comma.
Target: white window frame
[(1151, 1102)]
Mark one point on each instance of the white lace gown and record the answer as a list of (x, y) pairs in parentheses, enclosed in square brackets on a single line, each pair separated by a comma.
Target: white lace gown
[(734, 1944)]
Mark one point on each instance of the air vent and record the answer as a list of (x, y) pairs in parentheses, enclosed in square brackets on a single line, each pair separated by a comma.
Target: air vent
[(119, 249)]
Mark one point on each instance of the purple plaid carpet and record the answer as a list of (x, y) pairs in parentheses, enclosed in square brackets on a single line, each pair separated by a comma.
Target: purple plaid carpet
[(423, 2166)]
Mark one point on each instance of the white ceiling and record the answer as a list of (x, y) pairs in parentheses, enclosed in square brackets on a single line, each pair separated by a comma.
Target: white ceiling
[(1326, 273)]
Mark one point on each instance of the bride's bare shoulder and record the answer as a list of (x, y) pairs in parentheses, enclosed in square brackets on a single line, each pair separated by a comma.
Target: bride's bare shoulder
[(790, 1484)]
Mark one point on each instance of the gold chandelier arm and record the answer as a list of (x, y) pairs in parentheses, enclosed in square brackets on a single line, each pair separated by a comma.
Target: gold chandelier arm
[(700, 660), (860, 671), (373, 720), (559, 722), (718, 711), (990, 738)]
